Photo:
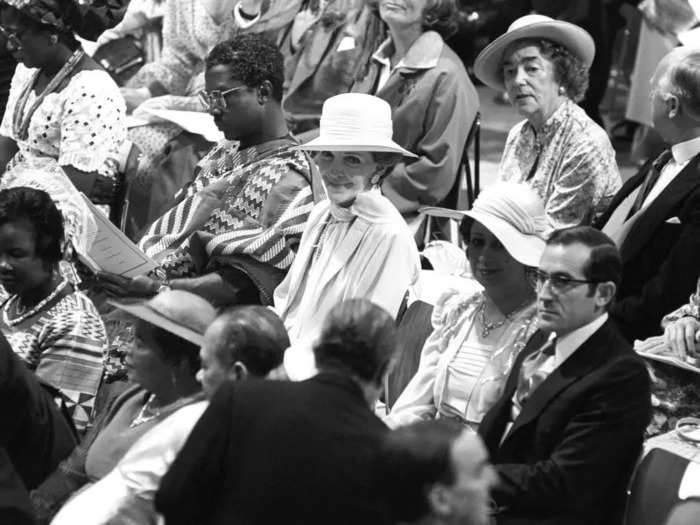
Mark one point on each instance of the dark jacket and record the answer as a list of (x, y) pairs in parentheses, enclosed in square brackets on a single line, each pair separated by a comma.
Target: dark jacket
[(571, 450), (279, 452), (659, 254), (35, 434)]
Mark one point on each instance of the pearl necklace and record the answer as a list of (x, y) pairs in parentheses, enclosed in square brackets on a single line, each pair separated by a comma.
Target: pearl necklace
[(39, 306), (488, 326)]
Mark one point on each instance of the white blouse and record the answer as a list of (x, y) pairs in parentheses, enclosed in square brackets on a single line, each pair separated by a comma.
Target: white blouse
[(81, 126)]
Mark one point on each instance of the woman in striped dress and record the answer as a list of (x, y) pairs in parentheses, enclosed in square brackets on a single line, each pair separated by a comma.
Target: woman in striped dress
[(51, 325)]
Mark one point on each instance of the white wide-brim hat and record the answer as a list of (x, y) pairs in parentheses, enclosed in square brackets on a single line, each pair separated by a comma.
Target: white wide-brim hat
[(356, 122), (514, 214), (179, 312), (488, 65)]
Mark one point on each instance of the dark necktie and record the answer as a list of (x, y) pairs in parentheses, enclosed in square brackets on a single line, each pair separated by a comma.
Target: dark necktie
[(650, 180), (532, 373)]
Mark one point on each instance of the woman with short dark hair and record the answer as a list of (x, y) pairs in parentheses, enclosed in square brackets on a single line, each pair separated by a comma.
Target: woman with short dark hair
[(50, 324), (558, 150)]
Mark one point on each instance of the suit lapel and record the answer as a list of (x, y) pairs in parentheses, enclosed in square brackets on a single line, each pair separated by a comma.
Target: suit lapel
[(583, 360), (623, 192), (658, 211)]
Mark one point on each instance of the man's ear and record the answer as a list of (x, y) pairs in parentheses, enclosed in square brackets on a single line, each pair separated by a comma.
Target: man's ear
[(673, 105), (439, 500), (605, 293), (238, 371)]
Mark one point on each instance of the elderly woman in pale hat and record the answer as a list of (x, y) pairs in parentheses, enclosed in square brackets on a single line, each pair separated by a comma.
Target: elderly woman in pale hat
[(558, 150), (356, 244), (465, 361)]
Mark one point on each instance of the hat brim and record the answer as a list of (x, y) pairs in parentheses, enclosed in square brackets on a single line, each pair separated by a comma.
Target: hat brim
[(321, 144), (487, 66), (142, 311), (526, 249)]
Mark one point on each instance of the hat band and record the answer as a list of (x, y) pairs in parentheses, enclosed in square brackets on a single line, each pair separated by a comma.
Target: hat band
[(356, 130)]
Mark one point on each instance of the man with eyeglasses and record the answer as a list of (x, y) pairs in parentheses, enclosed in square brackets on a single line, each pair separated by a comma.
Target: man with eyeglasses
[(231, 238), (568, 428)]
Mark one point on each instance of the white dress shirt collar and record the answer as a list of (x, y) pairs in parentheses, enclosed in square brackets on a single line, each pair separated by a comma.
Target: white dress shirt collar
[(569, 343), (684, 151)]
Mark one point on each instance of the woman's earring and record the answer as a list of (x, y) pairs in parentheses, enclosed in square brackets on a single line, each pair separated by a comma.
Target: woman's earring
[(53, 39), (562, 90)]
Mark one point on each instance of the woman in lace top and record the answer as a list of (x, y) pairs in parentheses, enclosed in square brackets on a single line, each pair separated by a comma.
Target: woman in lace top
[(62, 104), (465, 361), (558, 150)]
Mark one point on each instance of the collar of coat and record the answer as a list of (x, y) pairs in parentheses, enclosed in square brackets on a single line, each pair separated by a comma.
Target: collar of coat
[(423, 53)]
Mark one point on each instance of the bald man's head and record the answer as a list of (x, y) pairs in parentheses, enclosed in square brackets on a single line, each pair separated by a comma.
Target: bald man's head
[(243, 340)]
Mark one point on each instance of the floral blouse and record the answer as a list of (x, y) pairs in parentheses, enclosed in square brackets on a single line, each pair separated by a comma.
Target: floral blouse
[(81, 126), (576, 173)]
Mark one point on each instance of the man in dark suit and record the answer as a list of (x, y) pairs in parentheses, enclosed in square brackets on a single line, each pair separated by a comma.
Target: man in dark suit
[(568, 428), (281, 452), (655, 217)]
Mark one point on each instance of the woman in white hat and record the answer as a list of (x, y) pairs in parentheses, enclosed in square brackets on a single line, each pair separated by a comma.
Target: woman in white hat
[(465, 361), (356, 244), (558, 150)]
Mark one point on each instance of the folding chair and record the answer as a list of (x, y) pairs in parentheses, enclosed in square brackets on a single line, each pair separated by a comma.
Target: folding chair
[(128, 164), (653, 491), (463, 193)]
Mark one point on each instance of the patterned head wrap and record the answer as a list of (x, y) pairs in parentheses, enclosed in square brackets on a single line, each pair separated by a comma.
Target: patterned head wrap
[(87, 18)]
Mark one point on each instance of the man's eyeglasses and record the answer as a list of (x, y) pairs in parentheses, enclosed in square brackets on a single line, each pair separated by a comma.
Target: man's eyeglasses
[(12, 38), (558, 283), (216, 98)]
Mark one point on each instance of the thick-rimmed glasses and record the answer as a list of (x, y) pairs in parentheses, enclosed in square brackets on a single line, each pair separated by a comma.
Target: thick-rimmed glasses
[(12, 37), (216, 98), (558, 283)]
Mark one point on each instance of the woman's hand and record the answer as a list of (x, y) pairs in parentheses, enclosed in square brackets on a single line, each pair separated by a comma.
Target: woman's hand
[(682, 337), (134, 97), (118, 286)]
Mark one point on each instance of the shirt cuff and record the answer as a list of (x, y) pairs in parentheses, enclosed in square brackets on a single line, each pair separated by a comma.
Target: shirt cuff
[(243, 19)]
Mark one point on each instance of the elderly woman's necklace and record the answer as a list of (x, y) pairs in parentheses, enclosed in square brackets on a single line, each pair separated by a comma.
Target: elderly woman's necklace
[(37, 308), (21, 118), (488, 326)]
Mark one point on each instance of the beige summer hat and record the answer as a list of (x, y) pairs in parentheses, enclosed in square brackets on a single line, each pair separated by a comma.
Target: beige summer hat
[(514, 214), (356, 122), (487, 66), (179, 312)]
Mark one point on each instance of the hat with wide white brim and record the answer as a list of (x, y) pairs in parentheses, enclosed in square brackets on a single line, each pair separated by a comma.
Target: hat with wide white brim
[(176, 311), (356, 122), (488, 65), (514, 214)]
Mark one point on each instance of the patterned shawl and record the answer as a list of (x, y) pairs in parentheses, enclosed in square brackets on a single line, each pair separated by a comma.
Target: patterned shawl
[(240, 203)]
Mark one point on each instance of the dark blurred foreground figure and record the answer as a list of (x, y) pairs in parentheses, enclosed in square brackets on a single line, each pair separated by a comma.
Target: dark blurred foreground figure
[(283, 452), (437, 473), (568, 429), (34, 436)]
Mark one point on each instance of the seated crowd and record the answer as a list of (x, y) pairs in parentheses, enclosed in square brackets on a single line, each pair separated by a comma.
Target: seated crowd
[(261, 343)]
